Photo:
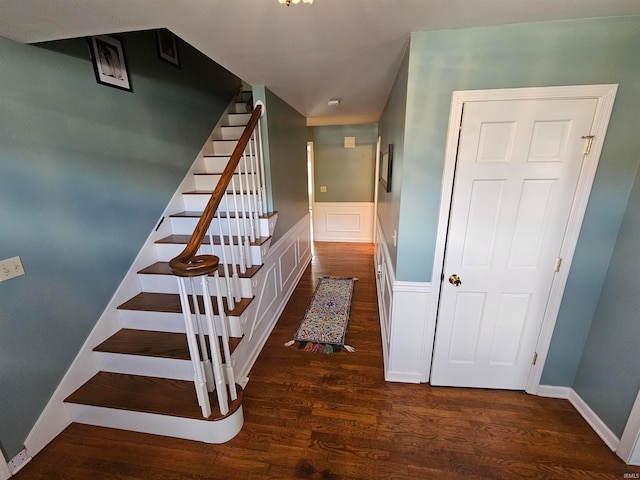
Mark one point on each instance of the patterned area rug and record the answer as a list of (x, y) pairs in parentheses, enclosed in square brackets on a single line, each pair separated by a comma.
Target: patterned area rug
[(324, 326)]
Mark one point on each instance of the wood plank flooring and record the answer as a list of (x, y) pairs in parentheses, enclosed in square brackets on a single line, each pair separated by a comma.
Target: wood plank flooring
[(316, 416)]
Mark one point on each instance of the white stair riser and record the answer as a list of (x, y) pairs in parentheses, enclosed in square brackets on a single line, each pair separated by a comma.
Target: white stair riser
[(167, 251), (210, 181), (196, 202), (186, 225), (217, 164), (219, 431), (240, 107), (172, 322), (228, 132), (221, 147), (235, 119), (169, 284), (145, 366)]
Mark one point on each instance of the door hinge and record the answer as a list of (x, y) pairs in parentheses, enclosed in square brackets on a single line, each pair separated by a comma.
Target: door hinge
[(587, 145), (558, 264), (535, 358)]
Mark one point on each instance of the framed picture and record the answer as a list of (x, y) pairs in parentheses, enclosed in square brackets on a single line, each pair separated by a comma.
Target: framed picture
[(167, 46), (386, 166), (109, 63)]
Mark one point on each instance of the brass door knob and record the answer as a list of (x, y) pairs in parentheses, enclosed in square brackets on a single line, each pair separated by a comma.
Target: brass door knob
[(455, 280)]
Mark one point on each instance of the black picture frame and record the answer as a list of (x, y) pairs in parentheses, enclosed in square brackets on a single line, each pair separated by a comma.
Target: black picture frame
[(167, 47), (386, 166), (109, 62)]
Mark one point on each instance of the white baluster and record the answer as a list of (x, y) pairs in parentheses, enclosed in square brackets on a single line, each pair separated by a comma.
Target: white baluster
[(263, 176), (224, 335), (253, 198), (223, 257), (235, 279), (206, 363), (216, 359), (252, 231), (239, 227), (199, 378), (245, 221)]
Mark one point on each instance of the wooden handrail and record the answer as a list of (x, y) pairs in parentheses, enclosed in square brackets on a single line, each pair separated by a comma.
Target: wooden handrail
[(187, 263)]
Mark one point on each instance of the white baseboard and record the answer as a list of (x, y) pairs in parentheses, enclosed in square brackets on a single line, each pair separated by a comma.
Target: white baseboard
[(343, 222), (594, 421), (629, 446), (567, 393), (553, 392)]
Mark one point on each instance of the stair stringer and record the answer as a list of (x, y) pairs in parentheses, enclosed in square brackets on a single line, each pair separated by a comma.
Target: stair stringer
[(55, 416)]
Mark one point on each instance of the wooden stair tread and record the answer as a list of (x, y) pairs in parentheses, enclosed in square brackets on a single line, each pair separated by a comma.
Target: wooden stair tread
[(170, 303), (196, 214), (152, 344), (228, 192), (176, 398), (162, 268), (184, 239)]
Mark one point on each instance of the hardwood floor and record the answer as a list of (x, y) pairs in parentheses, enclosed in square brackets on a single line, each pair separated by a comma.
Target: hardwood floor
[(316, 416)]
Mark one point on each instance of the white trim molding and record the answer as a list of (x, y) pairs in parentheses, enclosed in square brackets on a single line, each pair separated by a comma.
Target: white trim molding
[(629, 446), (550, 391), (594, 421), (403, 308), (343, 222), (605, 96), (567, 393), (5, 473)]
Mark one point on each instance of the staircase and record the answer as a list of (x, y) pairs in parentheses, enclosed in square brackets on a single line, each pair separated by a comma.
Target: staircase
[(146, 377)]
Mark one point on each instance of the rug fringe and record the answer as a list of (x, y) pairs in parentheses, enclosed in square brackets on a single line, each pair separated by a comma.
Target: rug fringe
[(320, 347)]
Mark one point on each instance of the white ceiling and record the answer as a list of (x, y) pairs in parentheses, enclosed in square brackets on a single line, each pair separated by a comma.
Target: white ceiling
[(306, 54)]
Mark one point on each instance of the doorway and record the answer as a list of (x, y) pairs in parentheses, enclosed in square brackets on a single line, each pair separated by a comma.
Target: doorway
[(310, 188), (519, 169)]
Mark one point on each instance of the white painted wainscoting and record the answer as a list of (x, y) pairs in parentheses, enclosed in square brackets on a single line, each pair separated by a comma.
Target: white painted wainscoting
[(281, 271), (404, 310), (343, 222)]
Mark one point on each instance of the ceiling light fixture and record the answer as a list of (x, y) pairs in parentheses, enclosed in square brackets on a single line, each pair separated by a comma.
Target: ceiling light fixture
[(289, 2), (334, 102)]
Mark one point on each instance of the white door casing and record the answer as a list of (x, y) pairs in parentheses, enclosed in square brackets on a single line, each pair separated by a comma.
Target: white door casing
[(493, 140)]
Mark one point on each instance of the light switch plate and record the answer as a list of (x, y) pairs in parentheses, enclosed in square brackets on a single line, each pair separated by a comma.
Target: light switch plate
[(10, 268)]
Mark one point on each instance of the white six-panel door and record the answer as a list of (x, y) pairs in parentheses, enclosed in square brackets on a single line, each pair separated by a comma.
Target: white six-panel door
[(516, 175)]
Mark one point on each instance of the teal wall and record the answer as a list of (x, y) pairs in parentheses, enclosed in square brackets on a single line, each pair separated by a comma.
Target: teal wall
[(85, 172), (391, 129), (596, 51), (348, 173), (608, 377), (285, 146)]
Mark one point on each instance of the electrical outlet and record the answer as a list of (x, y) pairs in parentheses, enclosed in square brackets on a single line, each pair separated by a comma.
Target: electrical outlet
[(19, 461), (10, 268)]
